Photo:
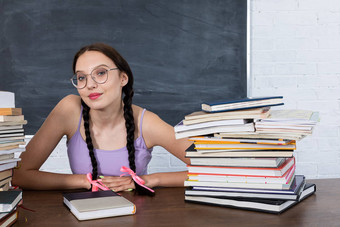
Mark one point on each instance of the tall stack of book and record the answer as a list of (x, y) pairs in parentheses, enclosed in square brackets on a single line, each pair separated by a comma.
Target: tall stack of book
[(12, 138), (243, 168)]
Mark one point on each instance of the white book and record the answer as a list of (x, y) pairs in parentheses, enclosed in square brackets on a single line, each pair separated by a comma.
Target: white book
[(249, 127), (250, 171), (180, 127), (7, 99), (245, 162), (238, 184)]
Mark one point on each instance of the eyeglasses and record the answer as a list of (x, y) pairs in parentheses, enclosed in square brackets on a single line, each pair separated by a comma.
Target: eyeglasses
[(99, 75)]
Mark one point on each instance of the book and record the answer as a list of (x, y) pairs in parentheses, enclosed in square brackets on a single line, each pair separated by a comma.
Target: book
[(242, 140), (5, 187), (258, 204), (295, 116), (11, 131), (202, 116), (248, 127), (261, 135), (8, 219), (6, 157), (190, 152), (12, 138), (15, 134), (8, 127), (230, 178), (5, 181), (100, 204), (10, 160), (18, 118), (5, 174), (238, 154), (9, 200), (293, 193), (244, 103), (245, 162), (6, 144), (241, 146), (10, 111), (7, 99), (9, 165), (180, 127), (238, 184), (250, 171), (24, 122), (11, 151)]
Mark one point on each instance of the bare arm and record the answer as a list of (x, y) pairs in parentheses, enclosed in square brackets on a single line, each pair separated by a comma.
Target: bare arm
[(156, 132), (58, 123)]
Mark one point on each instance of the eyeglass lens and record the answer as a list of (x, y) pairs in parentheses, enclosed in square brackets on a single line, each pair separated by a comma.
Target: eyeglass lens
[(99, 75)]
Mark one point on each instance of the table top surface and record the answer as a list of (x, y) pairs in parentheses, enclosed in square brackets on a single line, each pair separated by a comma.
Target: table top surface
[(168, 208)]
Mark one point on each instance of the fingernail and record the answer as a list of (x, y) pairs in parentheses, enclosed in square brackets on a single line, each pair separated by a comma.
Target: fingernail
[(101, 177), (113, 190), (129, 190)]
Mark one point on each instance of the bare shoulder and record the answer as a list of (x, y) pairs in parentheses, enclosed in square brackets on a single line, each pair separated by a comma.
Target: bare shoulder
[(67, 112), (149, 117), (69, 102)]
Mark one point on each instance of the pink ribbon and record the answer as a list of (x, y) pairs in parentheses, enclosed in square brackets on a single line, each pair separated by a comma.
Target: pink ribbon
[(96, 184), (134, 176)]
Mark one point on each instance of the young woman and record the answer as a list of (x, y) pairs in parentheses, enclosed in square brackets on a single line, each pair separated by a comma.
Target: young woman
[(104, 130)]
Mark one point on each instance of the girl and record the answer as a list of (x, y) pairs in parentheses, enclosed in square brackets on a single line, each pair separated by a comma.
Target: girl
[(104, 131)]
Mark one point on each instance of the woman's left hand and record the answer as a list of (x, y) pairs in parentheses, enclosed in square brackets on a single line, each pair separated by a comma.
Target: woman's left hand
[(117, 183)]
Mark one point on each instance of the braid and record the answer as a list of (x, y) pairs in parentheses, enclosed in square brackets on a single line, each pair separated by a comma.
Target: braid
[(130, 125), (86, 116)]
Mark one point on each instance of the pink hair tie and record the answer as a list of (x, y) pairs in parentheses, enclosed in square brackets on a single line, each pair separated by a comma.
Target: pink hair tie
[(96, 184), (136, 178)]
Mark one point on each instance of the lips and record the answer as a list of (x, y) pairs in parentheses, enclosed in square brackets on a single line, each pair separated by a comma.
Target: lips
[(94, 96)]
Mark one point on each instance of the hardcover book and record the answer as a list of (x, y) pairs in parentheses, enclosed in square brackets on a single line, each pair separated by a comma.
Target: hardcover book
[(245, 103), (100, 204), (9, 200)]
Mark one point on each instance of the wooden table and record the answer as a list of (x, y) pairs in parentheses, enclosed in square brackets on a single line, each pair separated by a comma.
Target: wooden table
[(168, 208)]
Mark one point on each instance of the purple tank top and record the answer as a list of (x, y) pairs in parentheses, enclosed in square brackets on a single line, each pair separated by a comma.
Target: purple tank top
[(109, 161)]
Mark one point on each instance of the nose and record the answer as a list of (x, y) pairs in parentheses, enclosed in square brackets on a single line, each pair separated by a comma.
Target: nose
[(91, 83)]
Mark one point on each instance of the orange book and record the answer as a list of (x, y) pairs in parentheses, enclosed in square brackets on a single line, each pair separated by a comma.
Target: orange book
[(11, 111)]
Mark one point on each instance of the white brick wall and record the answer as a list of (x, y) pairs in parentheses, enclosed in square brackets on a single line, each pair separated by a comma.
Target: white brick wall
[(295, 52), (295, 49)]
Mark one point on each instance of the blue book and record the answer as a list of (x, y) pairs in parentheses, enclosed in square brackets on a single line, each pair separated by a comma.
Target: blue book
[(244, 103)]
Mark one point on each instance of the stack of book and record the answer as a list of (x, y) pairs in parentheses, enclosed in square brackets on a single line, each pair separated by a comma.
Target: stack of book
[(243, 169), (11, 141)]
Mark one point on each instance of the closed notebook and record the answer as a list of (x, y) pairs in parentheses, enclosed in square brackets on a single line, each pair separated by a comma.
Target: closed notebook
[(100, 204)]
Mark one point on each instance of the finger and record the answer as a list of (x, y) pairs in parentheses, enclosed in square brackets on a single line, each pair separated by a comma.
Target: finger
[(116, 180), (123, 188), (114, 184)]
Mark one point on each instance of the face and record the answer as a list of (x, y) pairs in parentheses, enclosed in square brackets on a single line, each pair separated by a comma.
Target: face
[(100, 96)]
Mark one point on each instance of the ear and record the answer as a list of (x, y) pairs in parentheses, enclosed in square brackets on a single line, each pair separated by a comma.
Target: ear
[(124, 79)]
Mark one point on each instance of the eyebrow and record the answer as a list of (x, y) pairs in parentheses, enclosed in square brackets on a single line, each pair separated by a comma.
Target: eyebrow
[(95, 67)]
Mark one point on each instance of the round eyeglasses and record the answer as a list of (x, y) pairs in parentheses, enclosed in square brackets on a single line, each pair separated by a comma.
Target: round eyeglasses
[(99, 75)]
